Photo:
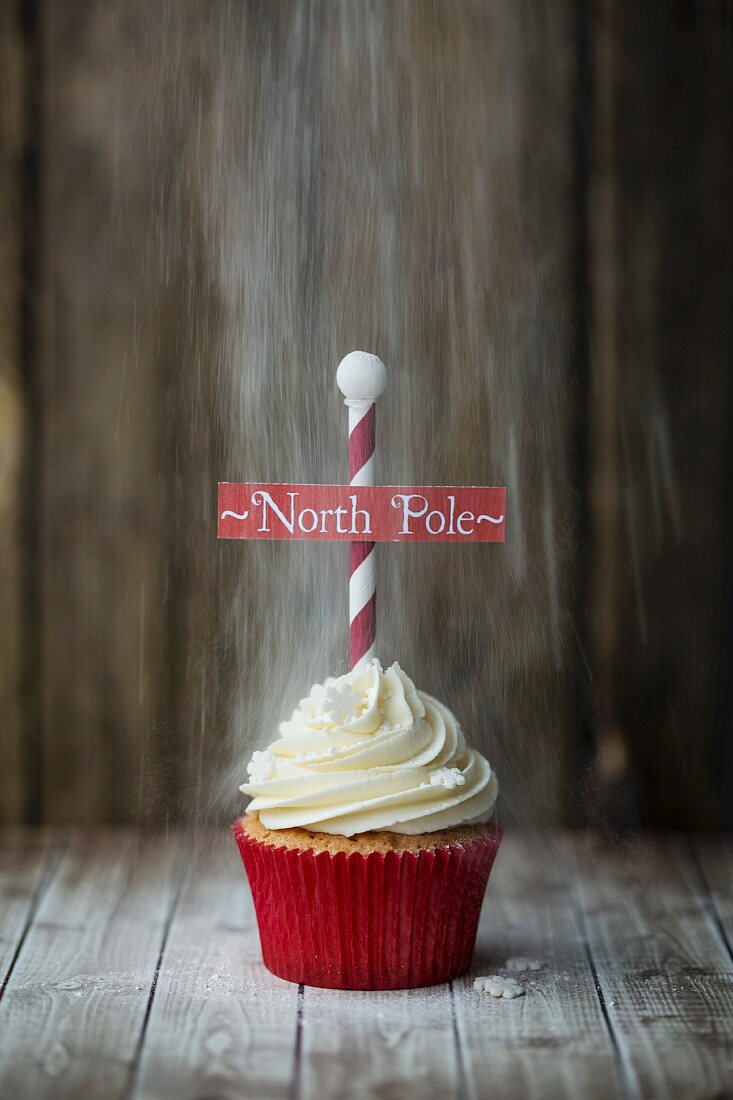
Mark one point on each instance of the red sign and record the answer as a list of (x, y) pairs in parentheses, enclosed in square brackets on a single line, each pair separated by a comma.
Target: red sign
[(357, 513)]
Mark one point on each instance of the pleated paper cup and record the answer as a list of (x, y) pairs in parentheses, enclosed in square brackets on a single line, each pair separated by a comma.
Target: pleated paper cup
[(381, 920)]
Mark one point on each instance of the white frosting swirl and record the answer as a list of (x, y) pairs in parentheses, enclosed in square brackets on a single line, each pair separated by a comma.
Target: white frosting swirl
[(366, 752)]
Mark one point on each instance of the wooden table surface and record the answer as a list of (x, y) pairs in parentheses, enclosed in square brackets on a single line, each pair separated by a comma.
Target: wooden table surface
[(130, 967)]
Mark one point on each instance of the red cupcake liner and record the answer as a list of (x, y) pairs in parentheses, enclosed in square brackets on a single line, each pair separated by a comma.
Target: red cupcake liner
[(393, 920)]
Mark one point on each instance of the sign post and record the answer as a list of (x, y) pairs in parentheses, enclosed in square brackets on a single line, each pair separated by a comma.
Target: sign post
[(361, 378), (361, 512)]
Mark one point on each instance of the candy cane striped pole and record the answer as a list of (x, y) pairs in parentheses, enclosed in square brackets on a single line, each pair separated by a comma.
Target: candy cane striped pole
[(361, 378)]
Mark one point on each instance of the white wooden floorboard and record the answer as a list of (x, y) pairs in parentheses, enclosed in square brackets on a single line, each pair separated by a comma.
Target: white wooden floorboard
[(221, 1026), (76, 1000), (552, 1041), (715, 861), (27, 858), (376, 1046), (664, 973), (135, 973)]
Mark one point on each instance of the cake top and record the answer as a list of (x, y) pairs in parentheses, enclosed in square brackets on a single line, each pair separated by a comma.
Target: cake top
[(364, 843), (369, 752)]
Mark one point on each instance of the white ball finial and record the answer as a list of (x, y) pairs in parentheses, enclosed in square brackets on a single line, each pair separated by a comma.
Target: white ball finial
[(361, 378)]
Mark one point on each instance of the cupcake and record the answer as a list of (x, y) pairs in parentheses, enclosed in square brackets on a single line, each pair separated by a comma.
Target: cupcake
[(368, 841)]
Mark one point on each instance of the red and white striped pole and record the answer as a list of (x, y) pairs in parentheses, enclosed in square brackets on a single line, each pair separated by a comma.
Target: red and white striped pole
[(361, 378)]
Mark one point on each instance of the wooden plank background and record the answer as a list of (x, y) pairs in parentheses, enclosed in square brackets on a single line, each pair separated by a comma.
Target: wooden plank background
[(670, 111), (12, 82), (524, 208)]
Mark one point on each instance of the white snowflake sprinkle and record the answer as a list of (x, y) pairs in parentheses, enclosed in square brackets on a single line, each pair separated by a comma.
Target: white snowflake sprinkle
[(520, 963), (502, 989), (341, 703), (261, 766), (447, 777)]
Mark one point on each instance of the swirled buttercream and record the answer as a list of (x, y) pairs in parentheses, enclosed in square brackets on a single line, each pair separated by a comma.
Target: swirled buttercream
[(368, 751)]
